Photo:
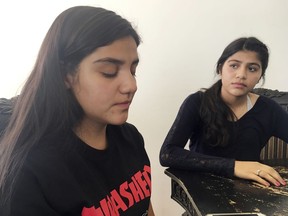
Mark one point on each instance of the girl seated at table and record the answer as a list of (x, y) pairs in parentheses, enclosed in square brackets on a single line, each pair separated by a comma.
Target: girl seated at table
[(227, 125)]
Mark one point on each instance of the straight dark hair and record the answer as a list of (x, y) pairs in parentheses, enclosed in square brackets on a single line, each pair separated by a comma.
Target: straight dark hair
[(213, 111), (45, 107)]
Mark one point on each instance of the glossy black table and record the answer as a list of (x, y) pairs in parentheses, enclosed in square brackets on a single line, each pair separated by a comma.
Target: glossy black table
[(202, 193)]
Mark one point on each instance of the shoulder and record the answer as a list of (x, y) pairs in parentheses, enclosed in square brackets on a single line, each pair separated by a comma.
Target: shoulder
[(194, 98), (40, 163), (53, 150), (267, 104), (55, 156), (192, 101), (266, 100), (46, 152), (273, 97)]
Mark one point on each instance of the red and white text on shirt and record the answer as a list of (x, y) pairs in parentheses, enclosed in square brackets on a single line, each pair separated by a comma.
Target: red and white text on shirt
[(128, 194)]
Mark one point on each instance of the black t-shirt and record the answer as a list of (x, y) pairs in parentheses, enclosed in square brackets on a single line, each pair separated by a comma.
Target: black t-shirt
[(65, 176)]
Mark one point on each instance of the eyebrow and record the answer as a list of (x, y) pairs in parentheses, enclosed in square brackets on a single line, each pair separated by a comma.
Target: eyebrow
[(251, 63), (115, 61)]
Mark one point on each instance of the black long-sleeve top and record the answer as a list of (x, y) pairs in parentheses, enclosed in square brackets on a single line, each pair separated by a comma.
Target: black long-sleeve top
[(248, 136)]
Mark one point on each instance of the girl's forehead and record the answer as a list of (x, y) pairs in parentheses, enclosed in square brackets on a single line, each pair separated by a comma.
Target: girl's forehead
[(245, 55)]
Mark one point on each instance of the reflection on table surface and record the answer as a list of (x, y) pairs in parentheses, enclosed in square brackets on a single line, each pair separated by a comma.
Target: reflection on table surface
[(203, 193)]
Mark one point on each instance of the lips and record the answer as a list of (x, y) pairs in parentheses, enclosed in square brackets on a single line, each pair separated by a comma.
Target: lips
[(239, 85), (125, 102), (124, 105)]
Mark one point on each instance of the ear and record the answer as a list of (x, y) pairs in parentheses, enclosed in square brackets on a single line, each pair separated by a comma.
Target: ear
[(219, 69), (69, 79), (219, 72)]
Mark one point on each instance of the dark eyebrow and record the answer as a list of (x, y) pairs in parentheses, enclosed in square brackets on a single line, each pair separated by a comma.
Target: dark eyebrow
[(255, 64), (115, 61), (234, 60), (252, 63)]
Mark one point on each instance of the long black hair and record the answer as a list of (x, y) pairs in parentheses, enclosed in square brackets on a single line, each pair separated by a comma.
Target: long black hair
[(214, 112), (45, 107)]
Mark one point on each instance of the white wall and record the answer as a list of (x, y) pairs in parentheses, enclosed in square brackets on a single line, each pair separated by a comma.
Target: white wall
[(182, 41)]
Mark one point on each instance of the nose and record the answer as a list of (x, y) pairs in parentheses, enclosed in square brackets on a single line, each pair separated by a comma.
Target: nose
[(128, 83), (241, 73)]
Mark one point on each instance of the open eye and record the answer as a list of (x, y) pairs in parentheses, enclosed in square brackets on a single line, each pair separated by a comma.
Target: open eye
[(234, 66), (253, 68)]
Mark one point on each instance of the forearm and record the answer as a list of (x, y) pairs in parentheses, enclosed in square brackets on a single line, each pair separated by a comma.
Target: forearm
[(184, 159)]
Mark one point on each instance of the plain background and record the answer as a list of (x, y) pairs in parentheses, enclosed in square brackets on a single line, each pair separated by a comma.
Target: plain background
[(182, 41)]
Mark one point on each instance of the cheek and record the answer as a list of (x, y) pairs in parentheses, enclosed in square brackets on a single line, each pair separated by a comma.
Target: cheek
[(227, 72), (226, 68), (86, 92), (88, 85), (226, 77), (255, 78)]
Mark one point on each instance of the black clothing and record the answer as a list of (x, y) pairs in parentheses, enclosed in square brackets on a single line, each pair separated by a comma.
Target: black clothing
[(248, 136), (64, 176)]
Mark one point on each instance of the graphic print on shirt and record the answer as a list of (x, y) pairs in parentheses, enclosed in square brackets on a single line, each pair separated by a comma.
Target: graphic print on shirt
[(128, 194)]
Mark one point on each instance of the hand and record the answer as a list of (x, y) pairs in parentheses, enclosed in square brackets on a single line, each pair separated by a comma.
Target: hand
[(258, 172)]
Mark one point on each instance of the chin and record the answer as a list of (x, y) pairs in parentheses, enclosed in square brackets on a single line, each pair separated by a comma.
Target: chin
[(118, 121), (239, 93)]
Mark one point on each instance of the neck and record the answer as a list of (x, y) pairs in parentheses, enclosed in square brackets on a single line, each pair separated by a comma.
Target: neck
[(239, 105), (92, 134), (234, 102)]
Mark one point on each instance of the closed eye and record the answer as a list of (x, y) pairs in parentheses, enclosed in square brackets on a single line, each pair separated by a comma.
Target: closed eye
[(133, 69), (133, 73), (109, 74)]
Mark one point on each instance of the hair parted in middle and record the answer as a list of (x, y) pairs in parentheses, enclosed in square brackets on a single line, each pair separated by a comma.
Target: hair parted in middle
[(214, 112)]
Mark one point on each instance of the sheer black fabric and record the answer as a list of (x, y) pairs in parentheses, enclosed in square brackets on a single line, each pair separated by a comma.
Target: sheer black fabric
[(248, 136)]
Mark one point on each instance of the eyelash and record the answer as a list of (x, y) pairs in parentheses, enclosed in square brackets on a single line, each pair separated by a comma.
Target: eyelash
[(133, 72), (252, 69), (109, 75), (234, 65)]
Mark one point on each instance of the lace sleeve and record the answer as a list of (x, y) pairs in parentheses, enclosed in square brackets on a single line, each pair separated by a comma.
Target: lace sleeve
[(173, 153)]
